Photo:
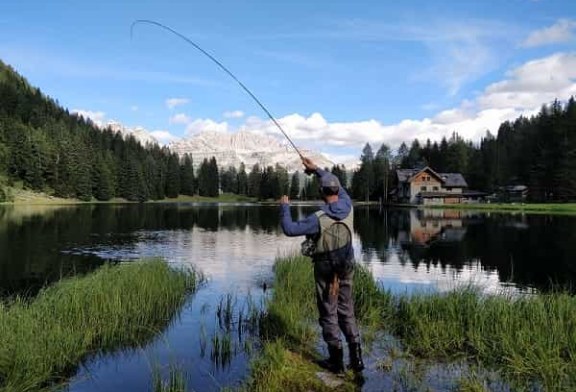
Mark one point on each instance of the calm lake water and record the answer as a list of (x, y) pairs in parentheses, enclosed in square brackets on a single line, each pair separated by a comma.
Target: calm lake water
[(235, 247)]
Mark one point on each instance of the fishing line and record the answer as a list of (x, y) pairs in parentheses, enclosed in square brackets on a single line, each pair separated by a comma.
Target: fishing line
[(152, 22)]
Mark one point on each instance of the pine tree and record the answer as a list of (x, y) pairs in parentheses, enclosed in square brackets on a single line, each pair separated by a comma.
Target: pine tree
[(311, 189), (229, 180), (214, 183), (381, 169), (295, 185), (340, 172), (104, 181), (242, 180), (283, 180), (208, 178), (173, 176), (187, 176), (363, 179), (254, 180)]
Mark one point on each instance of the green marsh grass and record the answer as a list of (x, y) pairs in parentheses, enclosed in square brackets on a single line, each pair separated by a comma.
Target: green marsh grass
[(237, 323), (175, 382), (528, 339), (44, 339), (532, 339), (290, 331), (530, 208)]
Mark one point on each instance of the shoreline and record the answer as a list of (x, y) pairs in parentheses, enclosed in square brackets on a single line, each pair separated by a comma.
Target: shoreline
[(29, 198)]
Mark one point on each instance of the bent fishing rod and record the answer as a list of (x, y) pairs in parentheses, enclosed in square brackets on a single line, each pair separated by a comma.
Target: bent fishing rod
[(219, 64)]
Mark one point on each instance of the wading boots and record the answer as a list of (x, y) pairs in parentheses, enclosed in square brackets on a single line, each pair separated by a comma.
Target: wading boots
[(335, 361), (356, 363)]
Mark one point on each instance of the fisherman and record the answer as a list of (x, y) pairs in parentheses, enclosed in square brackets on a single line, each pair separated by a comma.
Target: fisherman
[(333, 268)]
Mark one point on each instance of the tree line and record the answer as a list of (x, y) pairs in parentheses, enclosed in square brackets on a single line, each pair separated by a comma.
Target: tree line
[(46, 148), (538, 152)]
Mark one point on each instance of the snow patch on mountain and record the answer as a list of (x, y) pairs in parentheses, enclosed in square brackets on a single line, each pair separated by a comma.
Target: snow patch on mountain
[(141, 134), (231, 149)]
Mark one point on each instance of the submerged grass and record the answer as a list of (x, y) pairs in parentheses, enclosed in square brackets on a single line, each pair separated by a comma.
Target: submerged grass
[(530, 340), (44, 339), (175, 381)]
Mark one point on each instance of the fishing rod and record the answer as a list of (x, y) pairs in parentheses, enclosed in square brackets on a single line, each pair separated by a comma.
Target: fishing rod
[(152, 22)]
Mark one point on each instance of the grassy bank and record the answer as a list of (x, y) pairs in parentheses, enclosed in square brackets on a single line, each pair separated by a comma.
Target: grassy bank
[(223, 198), (290, 332), (528, 340), (44, 339), (19, 196), (532, 208)]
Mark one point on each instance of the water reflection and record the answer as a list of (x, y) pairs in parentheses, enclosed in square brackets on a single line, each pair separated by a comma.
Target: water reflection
[(41, 244), (444, 248), (407, 249)]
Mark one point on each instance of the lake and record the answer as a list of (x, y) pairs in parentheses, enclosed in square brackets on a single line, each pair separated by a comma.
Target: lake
[(234, 246)]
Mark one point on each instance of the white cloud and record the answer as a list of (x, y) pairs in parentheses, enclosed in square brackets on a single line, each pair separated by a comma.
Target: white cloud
[(560, 32), (163, 136), (171, 103), (234, 114), (350, 161), (533, 84), (180, 118), (97, 117), (523, 92), (201, 125)]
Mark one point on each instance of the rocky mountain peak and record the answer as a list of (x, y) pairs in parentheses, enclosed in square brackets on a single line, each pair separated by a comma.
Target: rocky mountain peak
[(231, 149)]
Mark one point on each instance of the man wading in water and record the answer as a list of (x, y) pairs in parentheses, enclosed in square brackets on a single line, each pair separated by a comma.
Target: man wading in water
[(329, 242)]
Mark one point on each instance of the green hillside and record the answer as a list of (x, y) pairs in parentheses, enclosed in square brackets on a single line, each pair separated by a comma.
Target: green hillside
[(45, 148)]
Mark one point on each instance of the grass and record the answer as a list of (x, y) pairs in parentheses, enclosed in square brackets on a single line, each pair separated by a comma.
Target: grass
[(223, 198), (281, 369), (531, 208), (290, 332), (44, 339), (175, 381), (18, 195), (528, 340)]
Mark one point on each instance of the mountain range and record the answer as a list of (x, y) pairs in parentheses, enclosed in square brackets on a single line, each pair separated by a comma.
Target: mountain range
[(231, 149)]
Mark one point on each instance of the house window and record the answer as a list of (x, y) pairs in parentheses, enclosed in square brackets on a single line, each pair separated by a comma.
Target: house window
[(423, 188), (435, 188)]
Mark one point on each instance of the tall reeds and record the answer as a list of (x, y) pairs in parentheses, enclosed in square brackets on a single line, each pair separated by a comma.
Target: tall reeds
[(529, 340), (42, 340)]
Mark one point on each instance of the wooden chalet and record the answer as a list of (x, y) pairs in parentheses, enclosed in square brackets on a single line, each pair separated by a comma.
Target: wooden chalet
[(425, 186)]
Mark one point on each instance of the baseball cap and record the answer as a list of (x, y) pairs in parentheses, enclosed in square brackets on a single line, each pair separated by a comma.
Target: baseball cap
[(329, 180)]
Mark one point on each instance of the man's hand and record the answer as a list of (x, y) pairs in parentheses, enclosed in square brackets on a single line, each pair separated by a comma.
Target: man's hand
[(284, 200), (309, 165)]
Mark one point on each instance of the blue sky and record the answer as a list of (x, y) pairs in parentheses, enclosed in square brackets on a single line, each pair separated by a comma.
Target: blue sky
[(337, 74)]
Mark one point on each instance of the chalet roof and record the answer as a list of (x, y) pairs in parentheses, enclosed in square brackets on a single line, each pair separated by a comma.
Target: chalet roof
[(448, 179)]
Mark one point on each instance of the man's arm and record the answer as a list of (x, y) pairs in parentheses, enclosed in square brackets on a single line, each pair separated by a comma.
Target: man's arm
[(308, 225)]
